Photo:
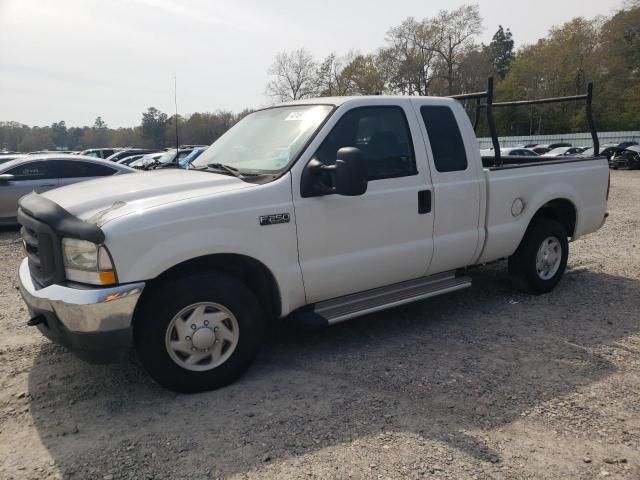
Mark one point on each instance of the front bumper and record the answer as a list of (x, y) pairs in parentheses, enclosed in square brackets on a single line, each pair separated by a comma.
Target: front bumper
[(95, 323)]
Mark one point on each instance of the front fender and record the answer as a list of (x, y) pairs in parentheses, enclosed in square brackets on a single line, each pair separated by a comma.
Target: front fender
[(146, 244)]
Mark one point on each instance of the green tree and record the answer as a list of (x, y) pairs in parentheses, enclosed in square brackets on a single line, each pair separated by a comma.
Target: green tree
[(60, 135), (153, 128), (364, 76), (500, 51), (99, 124)]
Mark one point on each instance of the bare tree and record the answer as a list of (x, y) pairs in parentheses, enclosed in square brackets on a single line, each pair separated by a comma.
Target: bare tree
[(330, 77), (294, 76), (410, 57), (455, 32)]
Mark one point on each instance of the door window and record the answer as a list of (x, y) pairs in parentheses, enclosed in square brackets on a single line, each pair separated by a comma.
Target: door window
[(30, 171), (448, 150), (382, 135), (76, 169)]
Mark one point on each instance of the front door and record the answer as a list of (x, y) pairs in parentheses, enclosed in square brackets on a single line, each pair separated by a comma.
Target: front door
[(28, 177), (352, 244)]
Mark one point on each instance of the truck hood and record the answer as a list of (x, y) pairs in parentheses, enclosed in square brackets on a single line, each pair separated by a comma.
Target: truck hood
[(98, 201)]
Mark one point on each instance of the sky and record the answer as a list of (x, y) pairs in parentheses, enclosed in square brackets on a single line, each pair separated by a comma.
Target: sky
[(74, 60)]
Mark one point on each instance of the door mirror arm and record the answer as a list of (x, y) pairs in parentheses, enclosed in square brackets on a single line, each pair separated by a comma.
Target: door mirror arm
[(311, 185)]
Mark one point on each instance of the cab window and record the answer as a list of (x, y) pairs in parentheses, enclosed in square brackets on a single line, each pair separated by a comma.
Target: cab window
[(382, 135), (30, 171), (448, 150)]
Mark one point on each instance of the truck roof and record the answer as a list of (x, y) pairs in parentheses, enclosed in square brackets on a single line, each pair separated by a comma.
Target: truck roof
[(337, 101)]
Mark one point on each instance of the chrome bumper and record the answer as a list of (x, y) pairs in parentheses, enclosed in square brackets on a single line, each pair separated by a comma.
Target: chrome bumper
[(89, 310)]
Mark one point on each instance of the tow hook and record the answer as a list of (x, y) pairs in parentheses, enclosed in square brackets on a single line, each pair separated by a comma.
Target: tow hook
[(37, 320)]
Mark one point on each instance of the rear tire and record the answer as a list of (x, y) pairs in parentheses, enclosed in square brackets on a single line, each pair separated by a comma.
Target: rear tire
[(541, 259), (198, 332)]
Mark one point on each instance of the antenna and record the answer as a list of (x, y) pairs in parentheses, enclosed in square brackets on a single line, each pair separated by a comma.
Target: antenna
[(175, 101)]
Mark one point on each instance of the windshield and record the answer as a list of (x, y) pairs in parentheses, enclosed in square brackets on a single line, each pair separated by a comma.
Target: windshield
[(266, 141)]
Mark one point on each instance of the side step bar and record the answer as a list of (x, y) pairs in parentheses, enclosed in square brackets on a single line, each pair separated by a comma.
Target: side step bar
[(357, 304)]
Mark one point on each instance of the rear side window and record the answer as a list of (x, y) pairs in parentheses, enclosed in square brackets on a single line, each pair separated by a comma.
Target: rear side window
[(446, 142), (31, 171), (77, 169)]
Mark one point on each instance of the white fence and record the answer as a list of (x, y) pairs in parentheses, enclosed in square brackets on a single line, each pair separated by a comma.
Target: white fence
[(575, 139)]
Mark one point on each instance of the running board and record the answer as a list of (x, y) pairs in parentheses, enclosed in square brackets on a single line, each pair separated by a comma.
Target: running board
[(354, 305)]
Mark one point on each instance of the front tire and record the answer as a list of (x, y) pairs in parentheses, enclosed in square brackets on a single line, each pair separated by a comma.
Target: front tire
[(198, 332), (541, 259)]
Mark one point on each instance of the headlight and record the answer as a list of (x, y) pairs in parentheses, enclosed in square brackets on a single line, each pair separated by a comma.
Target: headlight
[(87, 262)]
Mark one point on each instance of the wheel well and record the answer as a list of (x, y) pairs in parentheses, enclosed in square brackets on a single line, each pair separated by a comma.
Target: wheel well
[(561, 210), (251, 272)]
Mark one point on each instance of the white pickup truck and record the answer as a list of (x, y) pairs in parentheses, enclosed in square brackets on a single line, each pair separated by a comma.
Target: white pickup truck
[(321, 210)]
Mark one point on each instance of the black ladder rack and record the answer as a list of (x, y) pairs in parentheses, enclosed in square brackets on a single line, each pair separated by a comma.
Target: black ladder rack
[(489, 105)]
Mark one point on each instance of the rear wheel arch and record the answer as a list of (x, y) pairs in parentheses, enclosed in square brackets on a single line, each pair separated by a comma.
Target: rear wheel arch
[(560, 209)]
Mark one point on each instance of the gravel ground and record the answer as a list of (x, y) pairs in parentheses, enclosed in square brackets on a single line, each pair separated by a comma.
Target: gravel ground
[(482, 383)]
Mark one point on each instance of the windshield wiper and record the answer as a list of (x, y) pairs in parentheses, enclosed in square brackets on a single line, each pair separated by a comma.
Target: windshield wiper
[(223, 168)]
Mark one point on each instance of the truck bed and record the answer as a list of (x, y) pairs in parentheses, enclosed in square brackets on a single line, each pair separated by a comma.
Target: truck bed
[(581, 181)]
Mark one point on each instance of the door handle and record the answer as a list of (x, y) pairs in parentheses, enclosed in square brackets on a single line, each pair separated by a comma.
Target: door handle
[(424, 202), (48, 185)]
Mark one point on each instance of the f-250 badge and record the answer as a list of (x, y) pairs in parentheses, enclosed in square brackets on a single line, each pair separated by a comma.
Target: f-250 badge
[(274, 219)]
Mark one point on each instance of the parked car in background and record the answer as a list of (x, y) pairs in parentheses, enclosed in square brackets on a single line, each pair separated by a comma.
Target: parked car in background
[(558, 145), (41, 152), (628, 159), (39, 173), (193, 146), (607, 150), (166, 160), (129, 159), (540, 150), (564, 151), (186, 161), (145, 159), (100, 152), (128, 152), (8, 157), (517, 152)]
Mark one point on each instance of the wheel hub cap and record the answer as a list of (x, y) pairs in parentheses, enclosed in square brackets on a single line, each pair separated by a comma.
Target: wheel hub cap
[(548, 258), (202, 336)]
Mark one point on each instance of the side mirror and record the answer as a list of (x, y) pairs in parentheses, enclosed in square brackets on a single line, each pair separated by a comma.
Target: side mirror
[(6, 178), (349, 175), (351, 172)]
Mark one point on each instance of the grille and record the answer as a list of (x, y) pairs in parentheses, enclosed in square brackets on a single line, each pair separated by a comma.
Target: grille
[(42, 247)]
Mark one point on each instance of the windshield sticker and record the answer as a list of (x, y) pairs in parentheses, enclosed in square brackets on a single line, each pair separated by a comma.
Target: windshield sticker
[(295, 116)]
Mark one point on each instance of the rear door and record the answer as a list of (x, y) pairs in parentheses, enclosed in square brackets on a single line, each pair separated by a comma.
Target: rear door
[(29, 177), (456, 173)]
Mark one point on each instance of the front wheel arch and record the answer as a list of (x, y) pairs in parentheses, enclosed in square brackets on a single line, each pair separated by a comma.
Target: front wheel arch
[(253, 273)]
